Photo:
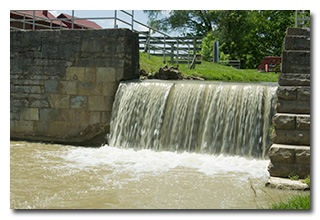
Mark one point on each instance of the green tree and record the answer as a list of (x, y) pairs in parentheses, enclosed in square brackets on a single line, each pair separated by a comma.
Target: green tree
[(245, 35)]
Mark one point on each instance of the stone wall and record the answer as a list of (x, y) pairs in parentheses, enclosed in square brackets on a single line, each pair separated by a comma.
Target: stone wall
[(63, 83), (290, 153)]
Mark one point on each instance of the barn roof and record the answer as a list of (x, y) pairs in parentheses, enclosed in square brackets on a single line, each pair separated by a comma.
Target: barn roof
[(80, 22)]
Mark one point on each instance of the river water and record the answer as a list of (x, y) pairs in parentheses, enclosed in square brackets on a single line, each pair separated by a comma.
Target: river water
[(172, 145), (51, 176)]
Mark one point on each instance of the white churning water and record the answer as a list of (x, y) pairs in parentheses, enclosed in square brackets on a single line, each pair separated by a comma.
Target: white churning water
[(179, 145), (212, 118)]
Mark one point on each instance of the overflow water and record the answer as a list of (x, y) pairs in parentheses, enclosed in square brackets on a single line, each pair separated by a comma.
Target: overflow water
[(220, 128), (213, 118)]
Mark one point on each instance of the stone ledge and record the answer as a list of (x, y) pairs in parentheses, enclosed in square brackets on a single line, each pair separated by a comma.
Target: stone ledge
[(294, 79), (285, 169), (295, 137), (289, 121), (293, 106), (284, 183), (297, 42), (282, 153), (298, 32)]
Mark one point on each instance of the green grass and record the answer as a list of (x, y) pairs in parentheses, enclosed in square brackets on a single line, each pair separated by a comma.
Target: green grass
[(296, 202), (210, 71)]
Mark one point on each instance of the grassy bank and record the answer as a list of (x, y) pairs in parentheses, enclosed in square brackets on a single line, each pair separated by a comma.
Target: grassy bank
[(296, 202), (210, 71)]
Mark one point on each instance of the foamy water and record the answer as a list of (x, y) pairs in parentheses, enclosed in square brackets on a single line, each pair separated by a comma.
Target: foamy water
[(140, 162), (49, 176)]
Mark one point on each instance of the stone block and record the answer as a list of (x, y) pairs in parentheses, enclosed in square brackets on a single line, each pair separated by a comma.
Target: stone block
[(12, 130), (78, 102), (302, 155), (293, 106), (87, 88), (63, 130), (284, 121), (41, 127), (106, 117), (109, 89), (295, 137), (19, 103), (106, 74), (28, 89), (294, 79), (29, 114), (75, 73), (24, 127), (284, 170), (82, 117), (295, 61), (95, 117), (100, 103), (49, 114), (68, 87), (90, 74), (92, 44), (298, 32), (51, 86), (27, 82), (286, 184), (282, 153), (67, 115), (303, 122), (54, 70), (120, 74), (59, 101), (14, 115), (39, 103), (287, 92), (303, 93), (296, 42)]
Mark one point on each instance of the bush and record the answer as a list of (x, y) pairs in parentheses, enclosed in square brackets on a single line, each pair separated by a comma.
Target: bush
[(296, 202)]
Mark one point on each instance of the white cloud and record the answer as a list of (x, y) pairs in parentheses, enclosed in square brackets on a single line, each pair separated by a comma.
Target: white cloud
[(139, 27), (107, 23), (55, 13)]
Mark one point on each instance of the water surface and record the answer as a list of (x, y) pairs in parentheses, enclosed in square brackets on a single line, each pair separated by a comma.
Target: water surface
[(50, 176)]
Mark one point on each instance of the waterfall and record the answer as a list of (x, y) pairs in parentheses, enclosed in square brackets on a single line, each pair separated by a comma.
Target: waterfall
[(203, 117)]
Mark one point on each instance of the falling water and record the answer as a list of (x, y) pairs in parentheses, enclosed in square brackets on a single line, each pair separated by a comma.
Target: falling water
[(212, 118)]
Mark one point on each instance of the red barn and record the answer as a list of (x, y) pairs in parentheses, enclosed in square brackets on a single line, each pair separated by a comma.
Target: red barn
[(41, 21), (78, 23)]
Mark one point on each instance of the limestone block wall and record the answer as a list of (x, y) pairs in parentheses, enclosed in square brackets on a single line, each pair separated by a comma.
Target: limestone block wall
[(290, 153), (63, 82)]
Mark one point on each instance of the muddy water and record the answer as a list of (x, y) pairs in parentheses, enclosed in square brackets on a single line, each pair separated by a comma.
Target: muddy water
[(46, 176)]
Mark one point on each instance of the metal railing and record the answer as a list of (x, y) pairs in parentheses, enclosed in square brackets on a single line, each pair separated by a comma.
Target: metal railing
[(175, 51), (301, 18)]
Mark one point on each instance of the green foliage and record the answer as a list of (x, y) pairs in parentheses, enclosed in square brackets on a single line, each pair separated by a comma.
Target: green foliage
[(210, 71), (271, 128), (293, 176), (207, 46), (296, 202), (246, 35), (307, 181)]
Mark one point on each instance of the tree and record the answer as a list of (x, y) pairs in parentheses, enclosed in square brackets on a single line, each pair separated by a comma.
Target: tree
[(189, 22), (244, 35)]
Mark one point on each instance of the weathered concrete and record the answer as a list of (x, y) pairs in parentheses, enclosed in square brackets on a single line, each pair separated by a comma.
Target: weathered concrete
[(290, 153), (63, 82)]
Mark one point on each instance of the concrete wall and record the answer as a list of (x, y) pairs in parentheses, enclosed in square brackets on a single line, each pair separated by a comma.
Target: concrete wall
[(290, 153), (63, 83)]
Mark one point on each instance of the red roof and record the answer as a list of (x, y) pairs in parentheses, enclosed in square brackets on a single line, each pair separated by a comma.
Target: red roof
[(39, 14), (87, 23)]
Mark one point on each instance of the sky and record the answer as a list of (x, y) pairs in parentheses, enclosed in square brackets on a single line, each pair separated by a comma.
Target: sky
[(139, 15)]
